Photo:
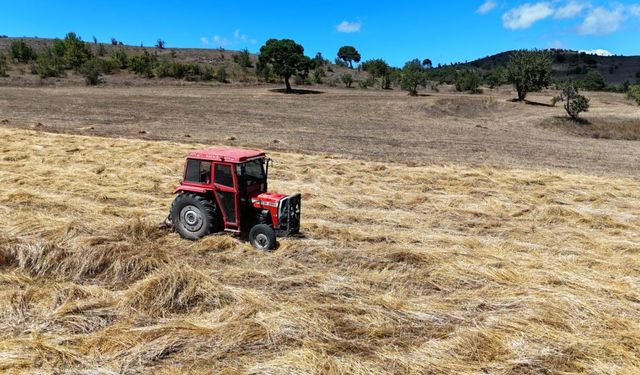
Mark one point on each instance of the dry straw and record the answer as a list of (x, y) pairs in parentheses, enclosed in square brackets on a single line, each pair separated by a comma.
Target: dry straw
[(440, 269)]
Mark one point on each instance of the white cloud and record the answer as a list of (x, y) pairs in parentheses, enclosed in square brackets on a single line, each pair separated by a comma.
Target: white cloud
[(571, 9), (237, 39), (557, 44), (602, 21), (599, 52), (486, 7), (634, 10), (525, 15), (348, 27)]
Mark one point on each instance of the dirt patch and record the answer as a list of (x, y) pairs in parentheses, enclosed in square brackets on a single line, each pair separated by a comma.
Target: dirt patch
[(627, 129), (466, 106)]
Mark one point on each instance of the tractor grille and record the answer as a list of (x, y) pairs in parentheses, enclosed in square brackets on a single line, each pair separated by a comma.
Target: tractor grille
[(289, 214)]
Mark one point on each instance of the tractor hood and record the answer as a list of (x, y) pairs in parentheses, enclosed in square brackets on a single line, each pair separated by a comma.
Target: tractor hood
[(264, 200)]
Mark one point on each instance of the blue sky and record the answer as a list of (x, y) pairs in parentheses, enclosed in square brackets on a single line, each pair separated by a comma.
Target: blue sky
[(397, 31)]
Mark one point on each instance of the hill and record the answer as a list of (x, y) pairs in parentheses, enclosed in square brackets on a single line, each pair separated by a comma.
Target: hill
[(574, 65)]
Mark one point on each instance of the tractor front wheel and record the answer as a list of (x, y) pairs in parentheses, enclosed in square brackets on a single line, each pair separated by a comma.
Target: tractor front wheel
[(262, 237), (193, 216)]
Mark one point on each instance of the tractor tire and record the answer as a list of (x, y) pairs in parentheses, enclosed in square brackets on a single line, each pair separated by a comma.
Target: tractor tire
[(193, 216), (262, 237)]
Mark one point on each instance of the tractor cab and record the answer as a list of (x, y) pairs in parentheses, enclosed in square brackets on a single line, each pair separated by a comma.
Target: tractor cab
[(225, 189)]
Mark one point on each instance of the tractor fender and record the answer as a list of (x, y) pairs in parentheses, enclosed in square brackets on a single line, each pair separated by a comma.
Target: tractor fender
[(190, 189)]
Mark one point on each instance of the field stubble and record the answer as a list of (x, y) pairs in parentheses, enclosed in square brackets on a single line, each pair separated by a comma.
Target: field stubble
[(404, 269)]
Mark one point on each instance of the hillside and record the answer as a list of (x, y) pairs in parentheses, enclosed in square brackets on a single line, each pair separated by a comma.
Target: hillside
[(574, 65)]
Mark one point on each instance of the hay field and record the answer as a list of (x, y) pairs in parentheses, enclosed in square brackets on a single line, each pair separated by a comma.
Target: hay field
[(404, 269)]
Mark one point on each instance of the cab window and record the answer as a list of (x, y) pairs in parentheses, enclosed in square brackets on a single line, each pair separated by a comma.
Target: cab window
[(223, 175), (198, 171)]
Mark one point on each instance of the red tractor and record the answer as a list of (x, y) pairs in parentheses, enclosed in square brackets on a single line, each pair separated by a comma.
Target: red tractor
[(225, 189)]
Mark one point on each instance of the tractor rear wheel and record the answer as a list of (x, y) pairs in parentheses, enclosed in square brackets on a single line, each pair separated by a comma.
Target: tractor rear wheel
[(262, 237), (193, 216)]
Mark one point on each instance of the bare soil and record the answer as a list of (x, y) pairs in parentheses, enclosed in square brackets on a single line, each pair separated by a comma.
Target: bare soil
[(440, 128)]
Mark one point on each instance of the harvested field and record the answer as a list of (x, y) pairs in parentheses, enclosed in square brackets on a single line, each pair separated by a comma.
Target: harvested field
[(404, 268), (441, 128)]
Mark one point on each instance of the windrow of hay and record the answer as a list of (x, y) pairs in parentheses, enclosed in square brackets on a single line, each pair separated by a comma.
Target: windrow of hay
[(402, 269)]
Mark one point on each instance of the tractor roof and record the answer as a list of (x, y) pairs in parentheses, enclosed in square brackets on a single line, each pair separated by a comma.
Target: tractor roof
[(228, 154)]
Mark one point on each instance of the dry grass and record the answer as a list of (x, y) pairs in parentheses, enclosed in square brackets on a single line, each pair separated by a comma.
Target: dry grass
[(404, 269)]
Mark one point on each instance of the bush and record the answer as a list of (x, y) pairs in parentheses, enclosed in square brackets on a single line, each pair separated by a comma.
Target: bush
[(366, 83), (142, 65), (76, 51), (413, 75), (91, 70), (495, 78), (469, 81), (100, 51), (634, 93), (120, 59), (347, 79), (243, 59), (3, 65), (221, 75), (317, 75), (48, 65), (593, 81), (21, 51), (574, 103)]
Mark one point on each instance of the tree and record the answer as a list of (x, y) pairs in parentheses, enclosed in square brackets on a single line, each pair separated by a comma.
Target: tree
[(427, 63), (142, 64), (160, 44), (376, 67), (243, 58), (91, 71), (48, 64), (120, 59), (413, 75), (58, 48), (495, 78), (593, 81), (469, 80), (21, 51), (574, 103), (286, 58), (319, 59), (528, 71), (75, 51), (3, 65), (347, 79), (95, 40), (114, 41), (633, 93), (349, 55)]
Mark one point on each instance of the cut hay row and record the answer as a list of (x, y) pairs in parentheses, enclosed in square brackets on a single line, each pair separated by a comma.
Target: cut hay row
[(439, 269)]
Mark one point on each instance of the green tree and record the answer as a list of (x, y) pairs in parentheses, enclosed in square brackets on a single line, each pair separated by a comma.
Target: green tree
[(21, 51), (574, 103), (3, 65), (221, 75), (76, 51), (48, 64), (495, 78), (427, 64), (347, 79), (633, 93), (243, 58), (593, 81), (468, 80), (413, 75), (91, 70), (286, 58), (120, 59), (58, 48), (376, 67), (142, 64), (160, 44), (529, 71), (349, 55)]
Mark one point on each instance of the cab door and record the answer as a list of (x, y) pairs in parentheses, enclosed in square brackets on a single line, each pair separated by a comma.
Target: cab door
[(226, 189)]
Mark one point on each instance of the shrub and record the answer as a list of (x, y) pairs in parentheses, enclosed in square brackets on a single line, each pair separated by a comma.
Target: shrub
[(574, 103), (529, 71), (243, 58), (21, 51), (341, 63), (3, 65), (100, 51), (120, 59), (366, 83), (114, 41), (634, 93), (347, 79), (142, 65), (495, 78), (58, 48), (376, 67), (593, 81), (469, 81), (48, 65), (221, 75), (91, 70), (76, 51), (317, 75)]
